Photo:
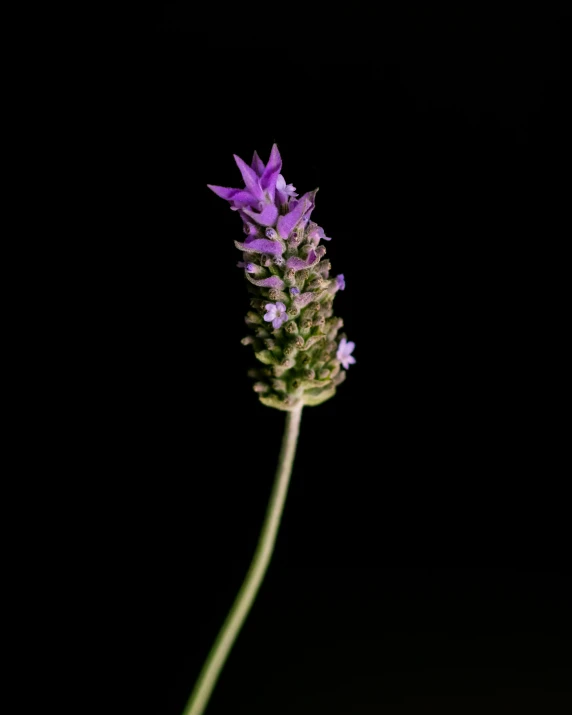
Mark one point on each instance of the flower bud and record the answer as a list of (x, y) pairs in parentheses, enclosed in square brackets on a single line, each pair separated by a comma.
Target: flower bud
[(275, 294), (305, 326), (290, 351), (290, 277), (252, 317)]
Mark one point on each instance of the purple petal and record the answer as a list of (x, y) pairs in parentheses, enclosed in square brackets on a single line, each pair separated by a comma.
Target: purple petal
[(267, 217), (251, 180), (281, 306), (350, 347), (242, 199), (261, 245), (269, 316), (272, 282), (311, 257), (303, 299), (271, 173), (224, 192), (310, 196), (296, 264), (273, 168), (277, 322), (257, 164), (287, 223)]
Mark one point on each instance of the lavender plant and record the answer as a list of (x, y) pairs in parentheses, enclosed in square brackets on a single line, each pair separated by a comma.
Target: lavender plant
[(294, 334)]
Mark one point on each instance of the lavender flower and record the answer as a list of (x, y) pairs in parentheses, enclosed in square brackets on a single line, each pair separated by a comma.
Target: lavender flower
[(281, 256), (300, 365), (283, 190), (344, 353), (276, 314)]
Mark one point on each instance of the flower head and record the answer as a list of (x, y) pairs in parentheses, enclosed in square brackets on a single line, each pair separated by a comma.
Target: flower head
[(282, 263), (344, 353), (257, 199), (275, 313)]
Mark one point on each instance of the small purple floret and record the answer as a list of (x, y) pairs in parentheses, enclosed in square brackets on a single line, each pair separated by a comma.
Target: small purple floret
[(344, 353), (284, 190), (341, 281), (276, 313), (316, 233), (294, 291)]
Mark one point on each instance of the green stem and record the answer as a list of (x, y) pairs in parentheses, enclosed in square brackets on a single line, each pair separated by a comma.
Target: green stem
[(240, 608)]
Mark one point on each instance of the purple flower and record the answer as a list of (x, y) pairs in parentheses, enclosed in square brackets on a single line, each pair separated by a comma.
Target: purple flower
[(294, 291), (257, 199), (284, 190), (341, 281), (316, 233), (344, 353), (275, 313)]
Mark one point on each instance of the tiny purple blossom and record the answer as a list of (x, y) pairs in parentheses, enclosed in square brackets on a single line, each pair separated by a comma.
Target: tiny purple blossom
[(344, 353), (316, 233), (275, 313), (284, 190), (341, 281), (294, 291)]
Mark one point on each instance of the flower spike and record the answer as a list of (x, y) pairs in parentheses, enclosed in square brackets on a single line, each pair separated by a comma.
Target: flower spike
[(293, 294)]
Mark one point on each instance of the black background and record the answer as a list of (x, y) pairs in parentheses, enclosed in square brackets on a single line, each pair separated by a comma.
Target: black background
[(421, 561)]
